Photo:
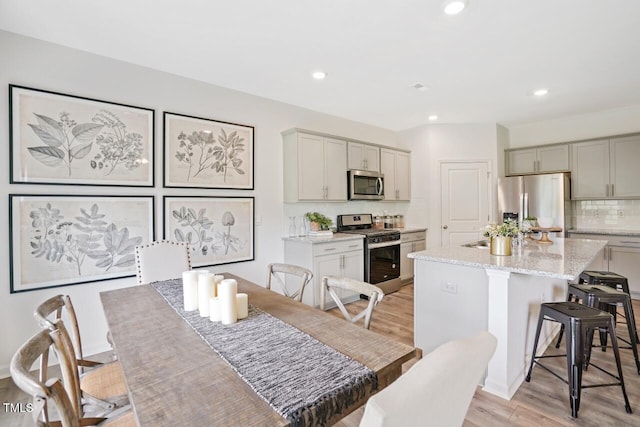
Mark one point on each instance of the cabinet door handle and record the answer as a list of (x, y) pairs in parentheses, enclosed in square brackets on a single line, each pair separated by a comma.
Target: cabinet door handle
[(612, 192), (607, 187), (329, 249), (354, 246), (609, 254)]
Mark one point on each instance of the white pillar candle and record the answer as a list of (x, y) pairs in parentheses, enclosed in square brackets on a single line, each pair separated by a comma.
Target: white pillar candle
[(190, 290), (227, 290), (205, 292), (242, 305), (214, 309), (218, 278)]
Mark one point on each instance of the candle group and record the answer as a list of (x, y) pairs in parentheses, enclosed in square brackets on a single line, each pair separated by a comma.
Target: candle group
[(214, 296)]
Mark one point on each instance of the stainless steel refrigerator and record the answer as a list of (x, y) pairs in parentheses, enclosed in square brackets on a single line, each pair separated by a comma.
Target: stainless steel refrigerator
[(546, 195)]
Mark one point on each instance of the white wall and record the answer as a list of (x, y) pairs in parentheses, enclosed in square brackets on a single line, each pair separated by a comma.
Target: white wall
[(433, 144), (41, 65), (572, 128)]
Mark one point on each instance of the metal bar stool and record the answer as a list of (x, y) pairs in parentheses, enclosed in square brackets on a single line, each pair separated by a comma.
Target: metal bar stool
[(603, 297), (579, 320), (607, 278)]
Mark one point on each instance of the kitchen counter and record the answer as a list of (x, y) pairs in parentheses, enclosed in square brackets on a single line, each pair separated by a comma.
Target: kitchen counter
[(459, 291), (410, 229), (609, 232), (564, 259), (337, 237)]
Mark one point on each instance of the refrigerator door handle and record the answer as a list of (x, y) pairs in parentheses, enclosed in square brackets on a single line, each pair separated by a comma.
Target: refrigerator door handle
[(525, 205)]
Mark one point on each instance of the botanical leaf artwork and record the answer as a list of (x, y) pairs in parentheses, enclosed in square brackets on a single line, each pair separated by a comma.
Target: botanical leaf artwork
[(66, 141), (197, 229), (206, 153), (87, 238), (201, 150)]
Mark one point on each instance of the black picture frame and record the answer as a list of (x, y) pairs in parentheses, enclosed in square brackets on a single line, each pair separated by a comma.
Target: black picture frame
[(207, 153), (63, 139), (220, 230), (61, 240)]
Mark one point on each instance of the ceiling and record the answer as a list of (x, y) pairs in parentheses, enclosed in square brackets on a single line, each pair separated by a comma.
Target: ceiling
[(480, 66)]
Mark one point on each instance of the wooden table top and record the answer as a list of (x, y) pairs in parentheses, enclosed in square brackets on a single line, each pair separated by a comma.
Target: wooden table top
[(175, 378)]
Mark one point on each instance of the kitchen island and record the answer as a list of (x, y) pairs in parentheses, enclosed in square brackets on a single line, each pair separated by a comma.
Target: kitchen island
[(460, 291)]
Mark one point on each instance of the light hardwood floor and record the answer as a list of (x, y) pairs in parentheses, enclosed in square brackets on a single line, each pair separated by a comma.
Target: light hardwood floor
[(542, 402)]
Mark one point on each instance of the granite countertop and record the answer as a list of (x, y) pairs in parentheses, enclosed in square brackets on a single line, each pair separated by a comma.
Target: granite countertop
[(609, 232), (410, 229), (337, 237), (564, 259)]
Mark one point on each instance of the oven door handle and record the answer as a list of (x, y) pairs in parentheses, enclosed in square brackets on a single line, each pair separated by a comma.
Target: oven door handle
[(383, 244)]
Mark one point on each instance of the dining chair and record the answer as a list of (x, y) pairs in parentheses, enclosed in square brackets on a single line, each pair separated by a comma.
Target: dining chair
[(162, 260), (64, 394), (101, 383), (374, 293), (437, 388), (281, 274)]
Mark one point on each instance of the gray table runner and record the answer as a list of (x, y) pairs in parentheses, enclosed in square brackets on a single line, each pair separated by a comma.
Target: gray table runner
[(302, 379)]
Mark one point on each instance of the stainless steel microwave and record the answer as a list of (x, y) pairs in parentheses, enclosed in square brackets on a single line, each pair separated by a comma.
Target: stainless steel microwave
[(365, 185)]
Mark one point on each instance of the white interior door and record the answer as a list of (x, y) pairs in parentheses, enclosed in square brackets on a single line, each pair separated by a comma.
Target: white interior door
[(465, 201)]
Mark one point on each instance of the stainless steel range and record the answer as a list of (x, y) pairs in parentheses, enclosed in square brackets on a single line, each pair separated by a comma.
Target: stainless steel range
[(381, 250)]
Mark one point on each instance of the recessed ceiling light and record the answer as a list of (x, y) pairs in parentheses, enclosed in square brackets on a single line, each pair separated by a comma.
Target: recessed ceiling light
[(433, 118), (419, 86), (453, 7), (319, 75), (540, 92)]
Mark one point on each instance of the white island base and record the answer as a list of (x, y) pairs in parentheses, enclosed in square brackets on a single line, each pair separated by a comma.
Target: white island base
[(461, 291)]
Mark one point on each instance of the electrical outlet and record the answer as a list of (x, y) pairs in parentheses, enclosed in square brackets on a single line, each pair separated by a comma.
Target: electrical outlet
[(449, 287), (620, 214)]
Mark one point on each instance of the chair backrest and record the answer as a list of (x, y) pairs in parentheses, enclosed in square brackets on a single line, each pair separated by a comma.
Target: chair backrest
[(281, 274), (162, 260), (438, 388), (54, 309), (374, 293), (64, 395)]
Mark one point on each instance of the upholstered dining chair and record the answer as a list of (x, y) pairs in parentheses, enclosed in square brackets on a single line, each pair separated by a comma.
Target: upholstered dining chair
[(437, 389), (282, 275), (64, 395), (374, 293), (162, 260), (101, 383)]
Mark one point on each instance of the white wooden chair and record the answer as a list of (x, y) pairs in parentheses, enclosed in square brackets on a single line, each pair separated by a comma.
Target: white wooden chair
[(374, 293), (65, 395), (162, 260), (280, 274), (437, 390), (102, 384)]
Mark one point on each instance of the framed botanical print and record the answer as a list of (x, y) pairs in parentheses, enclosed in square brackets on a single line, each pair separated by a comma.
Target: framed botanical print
[(220, 230), (60, 240), (66, 139), (206, 153)]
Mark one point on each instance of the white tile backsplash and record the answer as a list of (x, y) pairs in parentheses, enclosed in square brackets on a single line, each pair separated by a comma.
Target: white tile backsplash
[(614, 214)]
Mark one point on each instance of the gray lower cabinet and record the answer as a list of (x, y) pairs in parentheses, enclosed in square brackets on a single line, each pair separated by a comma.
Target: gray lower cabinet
[(621, 255), (344, 258), (410, 241)]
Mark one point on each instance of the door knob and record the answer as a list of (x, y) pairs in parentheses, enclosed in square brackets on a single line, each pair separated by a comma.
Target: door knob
[(445, 226)]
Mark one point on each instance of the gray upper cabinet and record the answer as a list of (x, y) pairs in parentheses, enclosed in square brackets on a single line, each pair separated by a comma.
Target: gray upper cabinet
[(396, 168), (363, 156), (543, 159), (315, 167), (606, 168)]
